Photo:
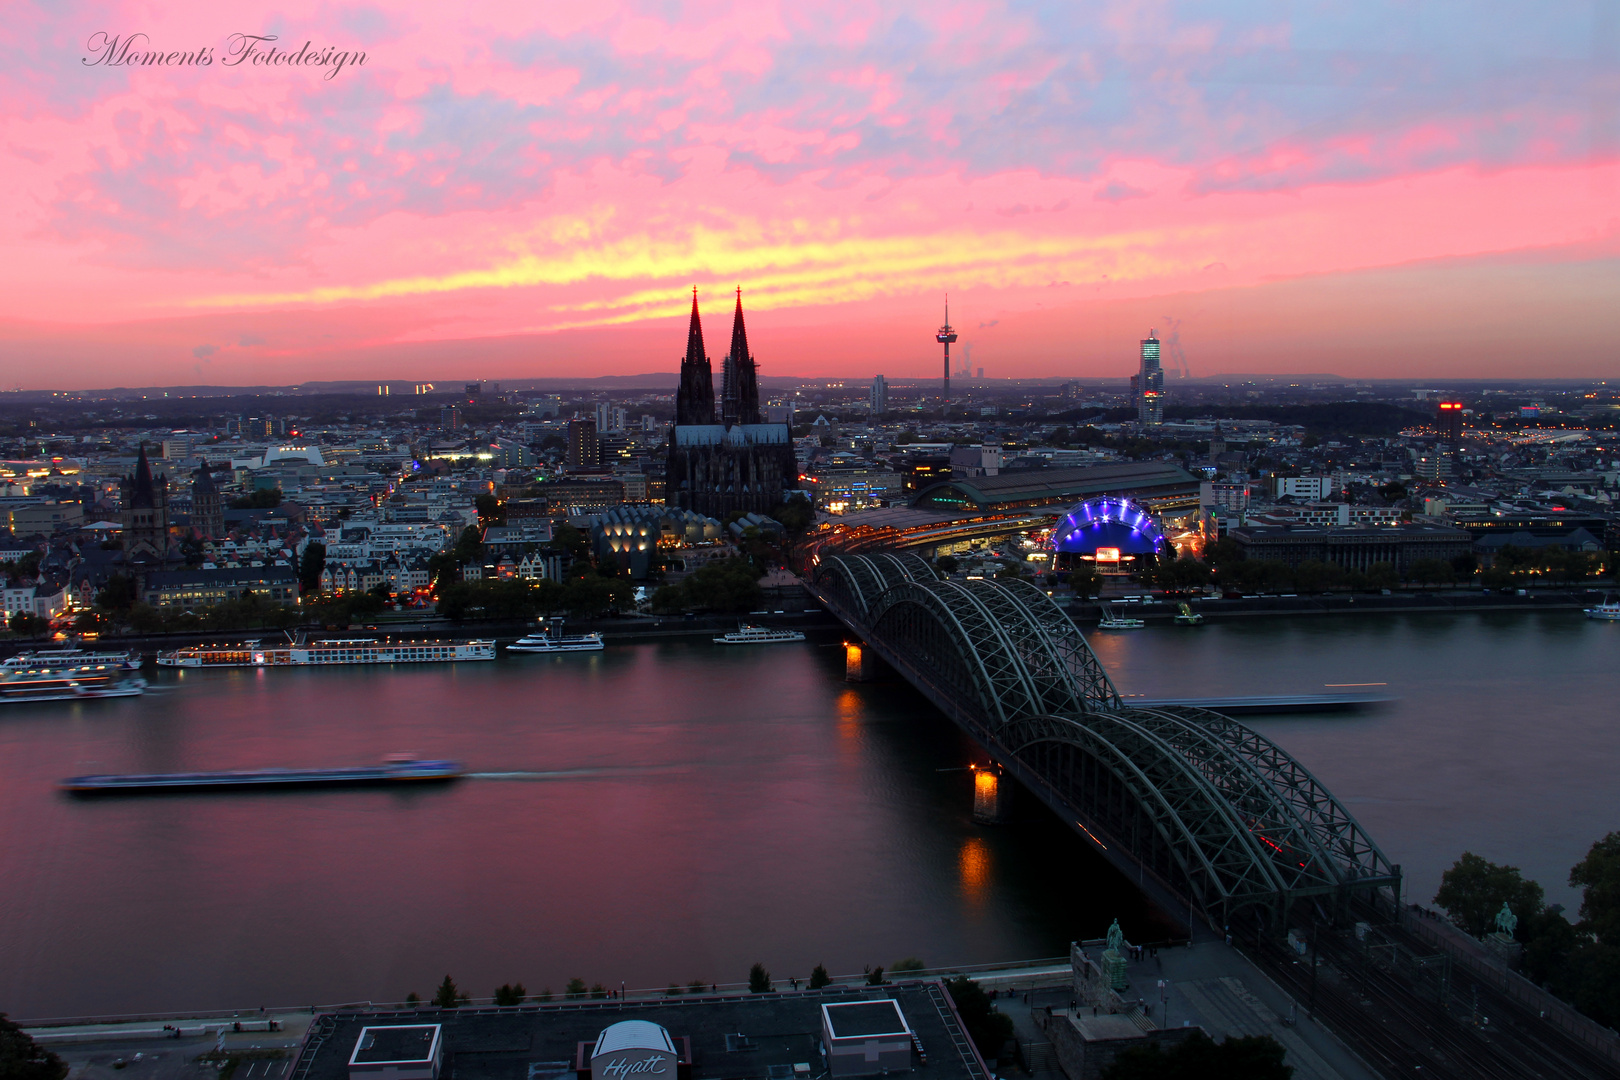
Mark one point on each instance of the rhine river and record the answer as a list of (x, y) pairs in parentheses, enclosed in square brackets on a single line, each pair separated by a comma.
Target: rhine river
[(666, 812)]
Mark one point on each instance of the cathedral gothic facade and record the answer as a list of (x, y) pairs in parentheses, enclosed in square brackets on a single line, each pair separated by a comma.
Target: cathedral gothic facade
[(718, 464)]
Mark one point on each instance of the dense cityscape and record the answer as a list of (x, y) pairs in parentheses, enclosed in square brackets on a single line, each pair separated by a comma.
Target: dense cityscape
[(328, 501)]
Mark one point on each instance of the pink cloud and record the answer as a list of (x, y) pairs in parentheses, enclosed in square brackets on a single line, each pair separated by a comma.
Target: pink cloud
[(511, 171)]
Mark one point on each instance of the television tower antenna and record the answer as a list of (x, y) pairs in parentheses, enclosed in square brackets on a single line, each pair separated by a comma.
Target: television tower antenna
[(1172, 345), (945, 335)]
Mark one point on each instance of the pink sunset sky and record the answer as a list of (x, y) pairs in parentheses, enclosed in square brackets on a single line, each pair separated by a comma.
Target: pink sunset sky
[(1382, 189)]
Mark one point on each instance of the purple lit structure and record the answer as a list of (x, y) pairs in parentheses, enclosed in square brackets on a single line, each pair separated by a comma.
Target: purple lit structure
[(1112, 533)]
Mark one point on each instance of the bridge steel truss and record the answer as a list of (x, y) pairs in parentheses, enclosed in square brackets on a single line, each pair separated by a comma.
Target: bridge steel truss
[(1204, 813)]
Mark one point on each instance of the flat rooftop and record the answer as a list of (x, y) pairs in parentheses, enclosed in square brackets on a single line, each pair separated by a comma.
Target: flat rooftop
[(395, 1042), (778, 1031), (858, 1019)]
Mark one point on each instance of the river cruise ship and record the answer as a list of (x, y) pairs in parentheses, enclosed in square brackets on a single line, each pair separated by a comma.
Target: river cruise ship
[(71, 659), (748, 634), (78, 678), (335, 651)]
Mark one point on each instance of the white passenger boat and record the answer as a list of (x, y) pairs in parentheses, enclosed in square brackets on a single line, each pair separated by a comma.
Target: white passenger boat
[(1112, 620), (71, 680), (333, 651), (1608, 610), (749, 634), (72, 658), (550, 639)]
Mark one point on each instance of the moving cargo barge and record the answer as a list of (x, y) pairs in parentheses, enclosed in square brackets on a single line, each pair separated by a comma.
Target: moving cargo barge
[(393, 772)]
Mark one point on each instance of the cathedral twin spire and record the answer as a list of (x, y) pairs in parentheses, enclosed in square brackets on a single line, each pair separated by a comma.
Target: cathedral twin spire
[(739, 385)]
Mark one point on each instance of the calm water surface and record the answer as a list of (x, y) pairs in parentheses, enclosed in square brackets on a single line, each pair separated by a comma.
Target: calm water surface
[(665, 812)]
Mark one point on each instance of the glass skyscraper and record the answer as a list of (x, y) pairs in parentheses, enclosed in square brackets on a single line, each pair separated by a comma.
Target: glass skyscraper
[(1149, 384)]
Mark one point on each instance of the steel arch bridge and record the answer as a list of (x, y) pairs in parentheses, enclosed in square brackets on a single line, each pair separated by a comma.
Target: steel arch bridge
[(1203, 812)]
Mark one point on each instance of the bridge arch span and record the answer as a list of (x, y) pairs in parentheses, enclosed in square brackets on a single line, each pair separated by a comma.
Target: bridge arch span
[(1212, 810), (1195, 809)]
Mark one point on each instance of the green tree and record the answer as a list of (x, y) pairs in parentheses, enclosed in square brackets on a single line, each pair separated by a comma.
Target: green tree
[(1599, 876), (507, 994), (874, 977), (119, 594), (819, 977), (260, 499), (1085, 580), (1198, 1057), (759, 980), (23, 1059), (28, 624), (988, 1029), (447, 996), (1313, 576), (696, 986), (598, 990), (469, 546), (1223, 551), (1182, 573), (310, 565), (1381, 575), (1473, 891), (796, 515), (728, 585), (490, 510), (946, 564), (413, 998), (1431, 572), (1549, 941), (909, 964), (575, 989)]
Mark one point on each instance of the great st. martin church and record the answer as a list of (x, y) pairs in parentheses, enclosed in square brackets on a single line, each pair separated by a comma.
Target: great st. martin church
[(736, 463)]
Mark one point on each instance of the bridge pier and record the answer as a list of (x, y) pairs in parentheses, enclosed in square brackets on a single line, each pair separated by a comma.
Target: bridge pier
[(991, 795), (863, 664)]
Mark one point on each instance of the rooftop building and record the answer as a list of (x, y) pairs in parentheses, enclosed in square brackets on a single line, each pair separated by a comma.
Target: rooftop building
[(843, 1031)]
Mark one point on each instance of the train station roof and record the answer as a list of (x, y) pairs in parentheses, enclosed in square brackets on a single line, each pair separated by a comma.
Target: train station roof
[(1019, 488)]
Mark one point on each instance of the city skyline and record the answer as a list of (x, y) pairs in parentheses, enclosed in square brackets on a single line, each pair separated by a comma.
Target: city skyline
[(515, 195)]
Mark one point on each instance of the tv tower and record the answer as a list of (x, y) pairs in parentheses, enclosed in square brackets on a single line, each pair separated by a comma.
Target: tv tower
[(945, 336)]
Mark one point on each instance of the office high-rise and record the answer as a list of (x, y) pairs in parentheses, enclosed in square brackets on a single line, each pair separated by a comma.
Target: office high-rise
[(1148, 384), (880, 396), (584, 448)]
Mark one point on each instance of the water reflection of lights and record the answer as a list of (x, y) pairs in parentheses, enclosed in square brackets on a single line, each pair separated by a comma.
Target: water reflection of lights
[(973, 864)]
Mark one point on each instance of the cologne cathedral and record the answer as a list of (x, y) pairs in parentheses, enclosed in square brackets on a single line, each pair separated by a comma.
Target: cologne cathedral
[(728, 462)]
